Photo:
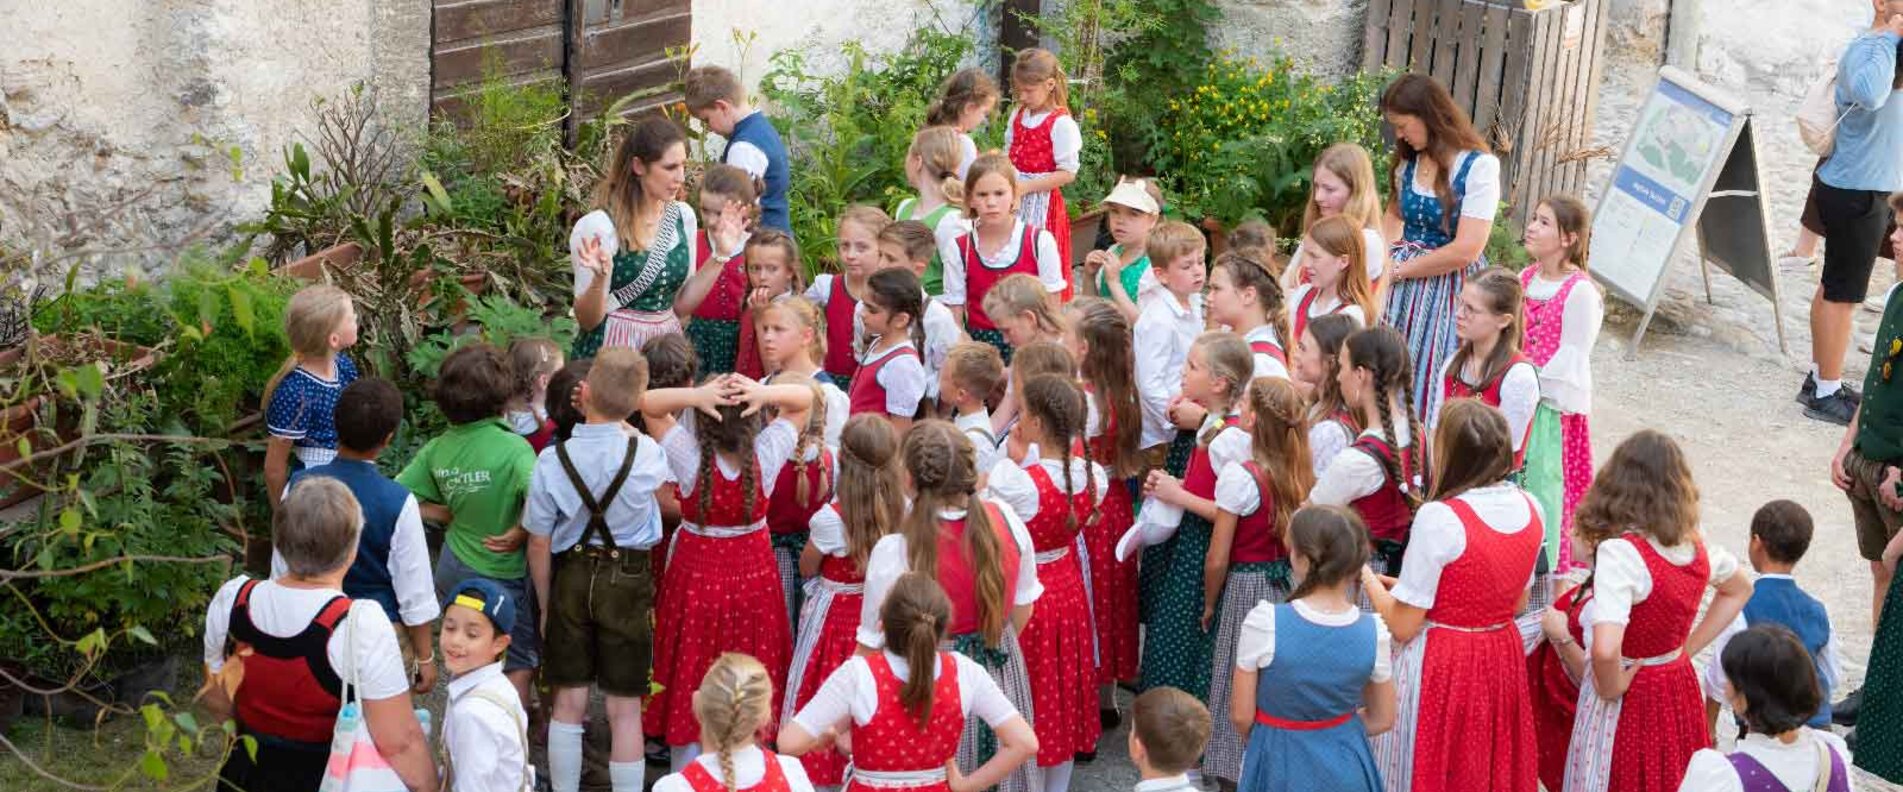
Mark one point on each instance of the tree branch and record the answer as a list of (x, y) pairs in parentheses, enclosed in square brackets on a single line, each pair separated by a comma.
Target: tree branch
[(18, 574)]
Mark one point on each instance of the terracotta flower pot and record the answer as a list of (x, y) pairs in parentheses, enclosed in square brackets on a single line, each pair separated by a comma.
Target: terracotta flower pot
[(22, 420), (1083, 235), (336, 257)]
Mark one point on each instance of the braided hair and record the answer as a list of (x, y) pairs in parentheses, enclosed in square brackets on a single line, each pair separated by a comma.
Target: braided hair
[(1383, 353), (1057, 404), (944, 476), (735, 702), (733, 435), (812, 438), (1279, 443), (870, 497)]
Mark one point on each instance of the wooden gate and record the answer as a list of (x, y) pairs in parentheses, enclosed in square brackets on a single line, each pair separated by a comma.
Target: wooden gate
[(601, 50), (1530, 79)]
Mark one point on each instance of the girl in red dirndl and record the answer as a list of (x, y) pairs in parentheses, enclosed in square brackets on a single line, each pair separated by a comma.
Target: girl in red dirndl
[(1641, 712), (906, 727), (1044, 143), (1099, 338), (1553, 672), (1471, 553), (869, 499), (1054, 491), (721, 590), (732, 706)]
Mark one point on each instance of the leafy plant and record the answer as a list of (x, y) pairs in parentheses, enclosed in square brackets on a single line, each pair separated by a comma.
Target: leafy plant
[(1241, 141), (496, 321), (1086, 33)]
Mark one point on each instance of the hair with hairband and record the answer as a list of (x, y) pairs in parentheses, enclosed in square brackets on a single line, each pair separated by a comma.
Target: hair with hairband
[(870, 494), (1278, 441)]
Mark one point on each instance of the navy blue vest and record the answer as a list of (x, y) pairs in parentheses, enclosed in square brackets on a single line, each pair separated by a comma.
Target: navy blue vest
[(381, 500), (1778, 600), (755, 129)]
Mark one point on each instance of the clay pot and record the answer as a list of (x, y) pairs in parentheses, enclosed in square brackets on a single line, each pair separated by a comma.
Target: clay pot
[(22, 420)]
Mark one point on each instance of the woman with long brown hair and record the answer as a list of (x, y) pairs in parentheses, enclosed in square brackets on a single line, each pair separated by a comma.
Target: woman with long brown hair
[(1446, 191), (636, 249)]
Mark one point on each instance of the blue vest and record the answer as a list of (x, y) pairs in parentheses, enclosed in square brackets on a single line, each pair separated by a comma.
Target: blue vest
[(1778, 600), (755, 129), (381, 500)]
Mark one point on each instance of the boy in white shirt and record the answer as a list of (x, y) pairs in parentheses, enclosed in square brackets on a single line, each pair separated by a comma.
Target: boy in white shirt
[(1164, 331), (485, 729), (1168, 731), (972, 371)]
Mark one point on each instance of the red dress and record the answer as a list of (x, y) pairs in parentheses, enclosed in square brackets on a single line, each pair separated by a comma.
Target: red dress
[(960, 581), (1475, 727), (895, 742), (867, 395), (1386, 511), (1298, 319), (1453, 387), (720, 594), (1555, 693), (979, 278), (832, 642), (1057, 645), (1113, 583), (840, 307), (774, 780), (1662, 715), (1033, 155)]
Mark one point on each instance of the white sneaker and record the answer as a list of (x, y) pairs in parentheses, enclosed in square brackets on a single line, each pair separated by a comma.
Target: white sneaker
[(1874, 304)]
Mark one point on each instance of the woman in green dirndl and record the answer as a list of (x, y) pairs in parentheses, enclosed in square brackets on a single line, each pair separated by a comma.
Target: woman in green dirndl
[(633, 252)]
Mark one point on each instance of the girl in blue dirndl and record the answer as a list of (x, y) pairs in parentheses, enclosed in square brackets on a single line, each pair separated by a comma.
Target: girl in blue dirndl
[(1444, 223)]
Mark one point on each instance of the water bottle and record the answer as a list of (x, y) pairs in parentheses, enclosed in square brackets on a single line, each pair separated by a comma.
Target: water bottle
[(422, 717)]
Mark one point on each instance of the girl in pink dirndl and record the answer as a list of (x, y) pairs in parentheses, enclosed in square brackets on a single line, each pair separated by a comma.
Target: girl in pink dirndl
[(722, 587), (1563, 313), (1466, 720), (1641, 712)]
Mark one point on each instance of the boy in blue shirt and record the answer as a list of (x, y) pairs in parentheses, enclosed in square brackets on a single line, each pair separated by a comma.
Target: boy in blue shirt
[(393, 565), (715, 97), (1780, 535)]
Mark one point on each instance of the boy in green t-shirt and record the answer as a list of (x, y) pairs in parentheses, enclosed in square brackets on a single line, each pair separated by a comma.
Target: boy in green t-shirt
[(473, 478)]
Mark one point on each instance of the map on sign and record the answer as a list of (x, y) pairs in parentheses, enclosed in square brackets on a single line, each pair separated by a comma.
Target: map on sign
[(1674, 153)]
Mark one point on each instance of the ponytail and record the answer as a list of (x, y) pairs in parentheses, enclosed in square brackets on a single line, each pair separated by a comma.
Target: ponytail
[(915, 616)]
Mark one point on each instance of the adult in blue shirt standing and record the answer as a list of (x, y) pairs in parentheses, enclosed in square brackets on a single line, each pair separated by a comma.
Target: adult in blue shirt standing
[(715, 97), (1854, 185)]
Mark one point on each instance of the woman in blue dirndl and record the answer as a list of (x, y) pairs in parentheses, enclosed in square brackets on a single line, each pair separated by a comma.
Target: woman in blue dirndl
[(1446, 192)]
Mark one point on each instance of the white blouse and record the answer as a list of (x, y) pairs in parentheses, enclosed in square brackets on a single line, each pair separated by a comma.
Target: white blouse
[(1266, 365), (1050, 269), (1519, 398), (851, 691), (1794, 765), (772, 447), (827, 531), (1482, 200), (1327, 438), (598, 225), (1013, 486), (1621, 580), (1566, 379), (1236, 490), (749, 768), (1323, 306), (1353, 475), (902, 377), (1438, 538), (1255, 642), (1163, 334), (1067, 140), (888, 562)]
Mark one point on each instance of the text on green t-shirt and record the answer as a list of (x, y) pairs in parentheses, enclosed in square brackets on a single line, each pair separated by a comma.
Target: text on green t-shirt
[(480, 470)]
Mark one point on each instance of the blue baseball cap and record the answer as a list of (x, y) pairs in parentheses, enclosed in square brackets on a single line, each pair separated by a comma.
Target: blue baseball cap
[(488, 598)]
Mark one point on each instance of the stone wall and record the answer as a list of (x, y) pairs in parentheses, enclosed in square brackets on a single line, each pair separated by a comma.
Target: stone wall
[(1323, 36), (747, 32)]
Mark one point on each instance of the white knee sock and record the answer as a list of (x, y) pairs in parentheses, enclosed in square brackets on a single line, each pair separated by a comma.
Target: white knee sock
[(564, 756), (679, 755), (628, 776), (1057, 777)]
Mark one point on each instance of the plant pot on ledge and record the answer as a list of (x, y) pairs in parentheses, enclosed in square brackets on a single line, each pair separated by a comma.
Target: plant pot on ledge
[(344, 258), (1083, 235), (22, 420)]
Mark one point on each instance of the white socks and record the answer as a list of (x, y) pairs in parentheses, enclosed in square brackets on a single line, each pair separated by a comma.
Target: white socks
[(1828, 387), (628, 776), (678, 756), (1057, 777), (564, 757)]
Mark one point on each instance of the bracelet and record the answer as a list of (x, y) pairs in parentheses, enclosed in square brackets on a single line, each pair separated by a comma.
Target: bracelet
[(422, 661)]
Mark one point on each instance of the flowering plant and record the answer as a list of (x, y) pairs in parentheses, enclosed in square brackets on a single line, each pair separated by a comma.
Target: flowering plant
[(1240, 143)]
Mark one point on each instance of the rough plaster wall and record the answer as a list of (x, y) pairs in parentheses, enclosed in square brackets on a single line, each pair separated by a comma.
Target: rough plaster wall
[(116, 117), (819, 28), (1323, 36), (1766, 53)]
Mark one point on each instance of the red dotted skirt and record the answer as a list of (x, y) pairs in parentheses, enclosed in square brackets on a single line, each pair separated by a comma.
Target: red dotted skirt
[(1059, 656), (1113, 587), (718, 595), (837, 640)]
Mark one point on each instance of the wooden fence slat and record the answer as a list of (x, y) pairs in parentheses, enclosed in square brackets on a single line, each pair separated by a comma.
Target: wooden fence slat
[(455, 21), (453, 102), (1596, 45), (1568, 123), (1374, 40), (1467, 66), (1533, 148), (1420, 49), (470, 60), (1513, 85), (1448, 39), (1400, 31), (1493, 51), (599, 89)]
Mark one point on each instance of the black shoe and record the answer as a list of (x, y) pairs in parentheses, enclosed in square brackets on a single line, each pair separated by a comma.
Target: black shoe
[(1844, 713), (1085, 757), (657, 753), (1856, 397), (1109, 718), (1807, 391), (1837, 408)]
